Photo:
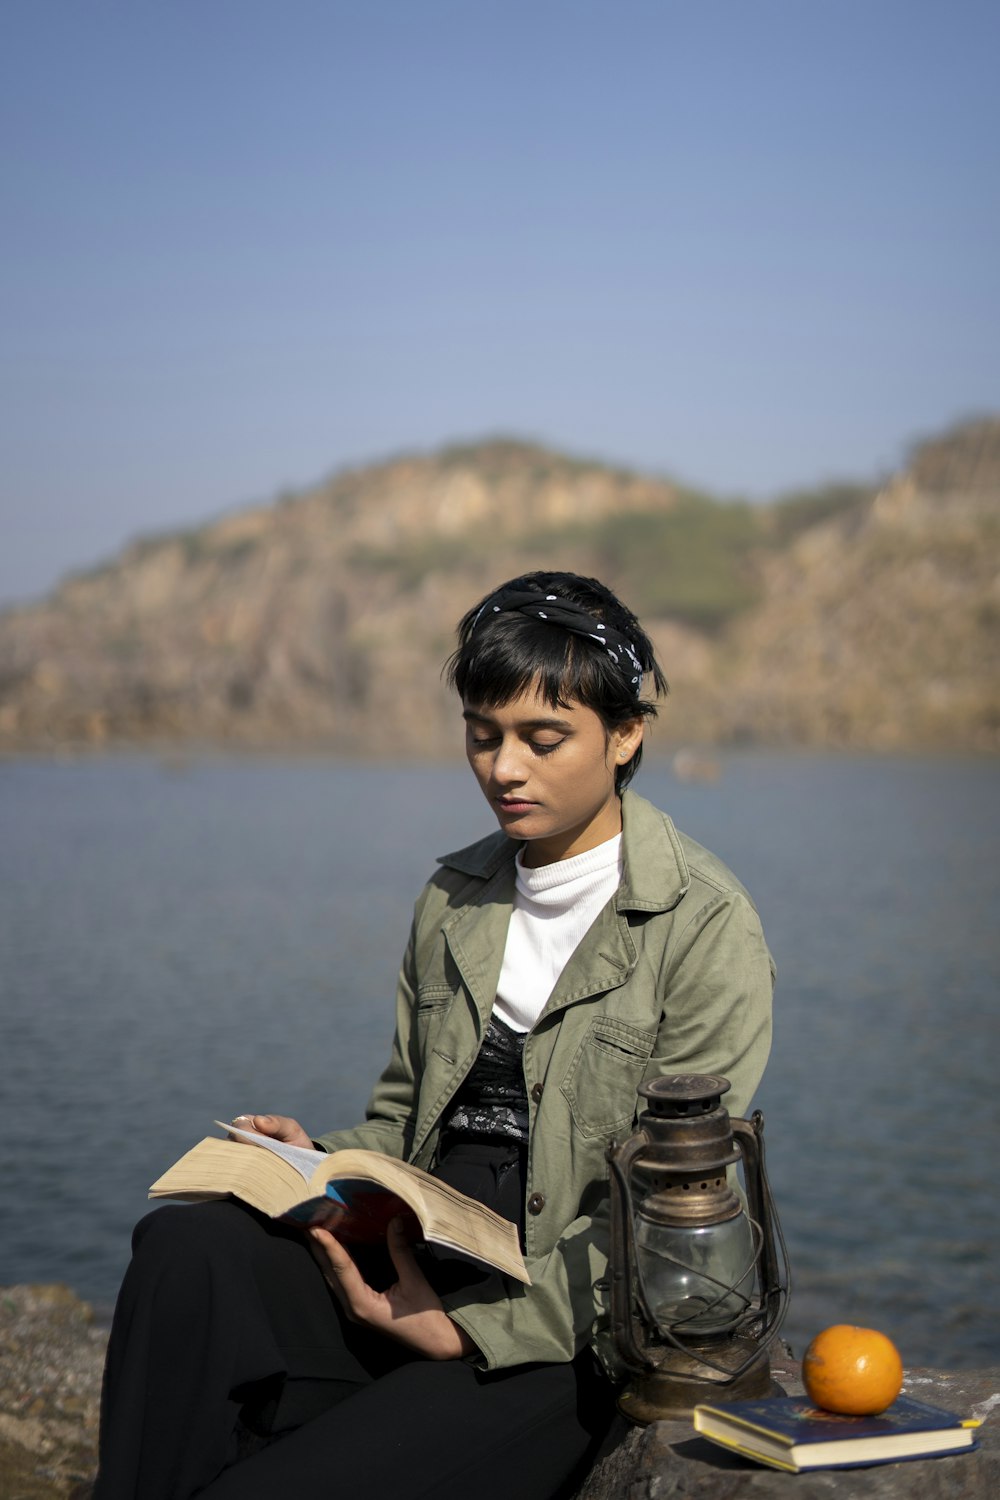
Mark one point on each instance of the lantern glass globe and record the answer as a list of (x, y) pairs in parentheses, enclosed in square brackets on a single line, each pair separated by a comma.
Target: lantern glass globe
[(698, 1279)]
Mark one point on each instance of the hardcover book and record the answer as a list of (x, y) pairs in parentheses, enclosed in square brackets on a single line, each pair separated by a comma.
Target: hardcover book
[(789, 1432), (353, 1193)]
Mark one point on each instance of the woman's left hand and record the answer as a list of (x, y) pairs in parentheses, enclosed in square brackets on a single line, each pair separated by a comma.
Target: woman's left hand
[(410, 1310)]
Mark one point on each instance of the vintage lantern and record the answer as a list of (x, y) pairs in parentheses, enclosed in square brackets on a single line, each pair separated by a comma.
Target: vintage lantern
[(699, 1283)]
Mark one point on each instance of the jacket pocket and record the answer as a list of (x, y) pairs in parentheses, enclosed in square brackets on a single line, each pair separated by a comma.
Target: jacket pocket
[(604, 1075), (431, 1009)]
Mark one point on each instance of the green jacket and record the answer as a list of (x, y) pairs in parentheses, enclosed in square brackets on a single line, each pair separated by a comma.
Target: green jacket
[(674, 976)]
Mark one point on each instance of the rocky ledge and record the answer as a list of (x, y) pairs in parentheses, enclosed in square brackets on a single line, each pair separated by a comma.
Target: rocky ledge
[(667, 1461), (51, 1359), (52, 1355)]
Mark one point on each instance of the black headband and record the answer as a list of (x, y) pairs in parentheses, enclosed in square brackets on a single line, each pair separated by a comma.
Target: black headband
[(572, 617)]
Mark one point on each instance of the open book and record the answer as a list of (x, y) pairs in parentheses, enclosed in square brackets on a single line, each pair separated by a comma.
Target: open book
[(353, 1193)]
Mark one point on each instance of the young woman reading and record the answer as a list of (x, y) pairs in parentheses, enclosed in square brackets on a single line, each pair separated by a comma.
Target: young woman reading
[(551, 968)]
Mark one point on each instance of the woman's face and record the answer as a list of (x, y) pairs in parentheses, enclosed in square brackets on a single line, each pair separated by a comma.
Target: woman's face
[(549, 773)]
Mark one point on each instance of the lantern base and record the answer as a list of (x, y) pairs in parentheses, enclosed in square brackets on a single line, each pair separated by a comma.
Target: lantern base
[(682, 1381)]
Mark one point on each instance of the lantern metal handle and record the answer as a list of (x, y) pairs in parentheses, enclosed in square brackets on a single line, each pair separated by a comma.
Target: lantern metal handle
[(622, 1252), (774, 1268)]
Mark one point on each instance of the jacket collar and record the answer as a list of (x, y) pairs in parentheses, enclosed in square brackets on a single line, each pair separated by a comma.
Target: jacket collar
[(655, 873)]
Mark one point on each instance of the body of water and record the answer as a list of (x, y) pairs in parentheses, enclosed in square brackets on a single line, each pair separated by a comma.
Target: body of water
[(184, 944)]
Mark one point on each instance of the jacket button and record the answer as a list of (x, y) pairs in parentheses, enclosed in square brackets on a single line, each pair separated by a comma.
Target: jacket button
[(537, 1092), (536, 1203)]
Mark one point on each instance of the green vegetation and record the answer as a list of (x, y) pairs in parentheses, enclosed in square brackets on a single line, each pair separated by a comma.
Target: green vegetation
[(236, 550), (689, 563), (125, 645), (966, 457), (196, 544), (499, 457), (429, 554), (803, 508)]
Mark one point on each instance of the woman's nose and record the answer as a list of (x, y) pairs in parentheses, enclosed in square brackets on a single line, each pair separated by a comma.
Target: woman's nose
[(508, 767)]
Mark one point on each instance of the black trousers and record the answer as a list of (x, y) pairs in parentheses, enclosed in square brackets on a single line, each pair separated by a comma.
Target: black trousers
[(232, 1372)]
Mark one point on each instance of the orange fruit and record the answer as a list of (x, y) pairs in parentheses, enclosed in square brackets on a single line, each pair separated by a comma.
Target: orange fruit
[(856, 1371)]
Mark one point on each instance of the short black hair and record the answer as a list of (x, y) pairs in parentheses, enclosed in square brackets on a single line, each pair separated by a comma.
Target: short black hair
[(509, 653)]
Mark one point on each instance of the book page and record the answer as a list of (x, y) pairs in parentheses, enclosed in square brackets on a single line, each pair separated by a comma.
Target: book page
[(214, 1168), (305, 1159), (447, 1217)]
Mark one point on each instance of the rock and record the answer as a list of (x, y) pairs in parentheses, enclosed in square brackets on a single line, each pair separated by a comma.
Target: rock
[(666, 1460), (52, 1357), (51, 1363)]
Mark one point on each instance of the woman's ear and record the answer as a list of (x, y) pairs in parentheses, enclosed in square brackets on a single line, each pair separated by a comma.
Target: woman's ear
[(626, 740)]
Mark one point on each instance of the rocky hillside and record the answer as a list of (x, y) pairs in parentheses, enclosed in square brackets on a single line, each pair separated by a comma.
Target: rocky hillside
[(882, 628), (321, 621)]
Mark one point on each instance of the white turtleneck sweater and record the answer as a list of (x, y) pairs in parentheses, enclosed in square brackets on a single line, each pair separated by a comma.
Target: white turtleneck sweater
[(554, 906)]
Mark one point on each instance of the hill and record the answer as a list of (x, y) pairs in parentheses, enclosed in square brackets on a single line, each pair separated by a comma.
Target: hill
[(835, 617), (881, 628)]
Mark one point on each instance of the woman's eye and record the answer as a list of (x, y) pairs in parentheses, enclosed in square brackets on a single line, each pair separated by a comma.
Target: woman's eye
[(542, 748), (482, 743)]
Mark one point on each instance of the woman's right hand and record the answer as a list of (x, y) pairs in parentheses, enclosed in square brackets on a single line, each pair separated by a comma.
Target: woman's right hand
[(278, 1127)]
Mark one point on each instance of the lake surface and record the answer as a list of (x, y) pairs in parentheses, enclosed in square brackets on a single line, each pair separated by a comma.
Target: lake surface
[(179, 944)]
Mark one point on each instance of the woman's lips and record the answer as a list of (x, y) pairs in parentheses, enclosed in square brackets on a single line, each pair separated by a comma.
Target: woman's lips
[(513, 804)]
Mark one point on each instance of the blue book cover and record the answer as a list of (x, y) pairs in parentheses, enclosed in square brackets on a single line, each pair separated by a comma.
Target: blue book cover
[(789, 1432)]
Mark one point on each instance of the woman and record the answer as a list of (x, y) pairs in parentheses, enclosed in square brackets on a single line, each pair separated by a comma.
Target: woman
[(551, 968)]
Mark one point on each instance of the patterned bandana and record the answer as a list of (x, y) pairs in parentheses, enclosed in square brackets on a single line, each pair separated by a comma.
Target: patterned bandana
[(572, 617)]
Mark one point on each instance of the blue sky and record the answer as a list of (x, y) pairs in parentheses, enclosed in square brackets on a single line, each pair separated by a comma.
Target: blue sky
[(749, 243)]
